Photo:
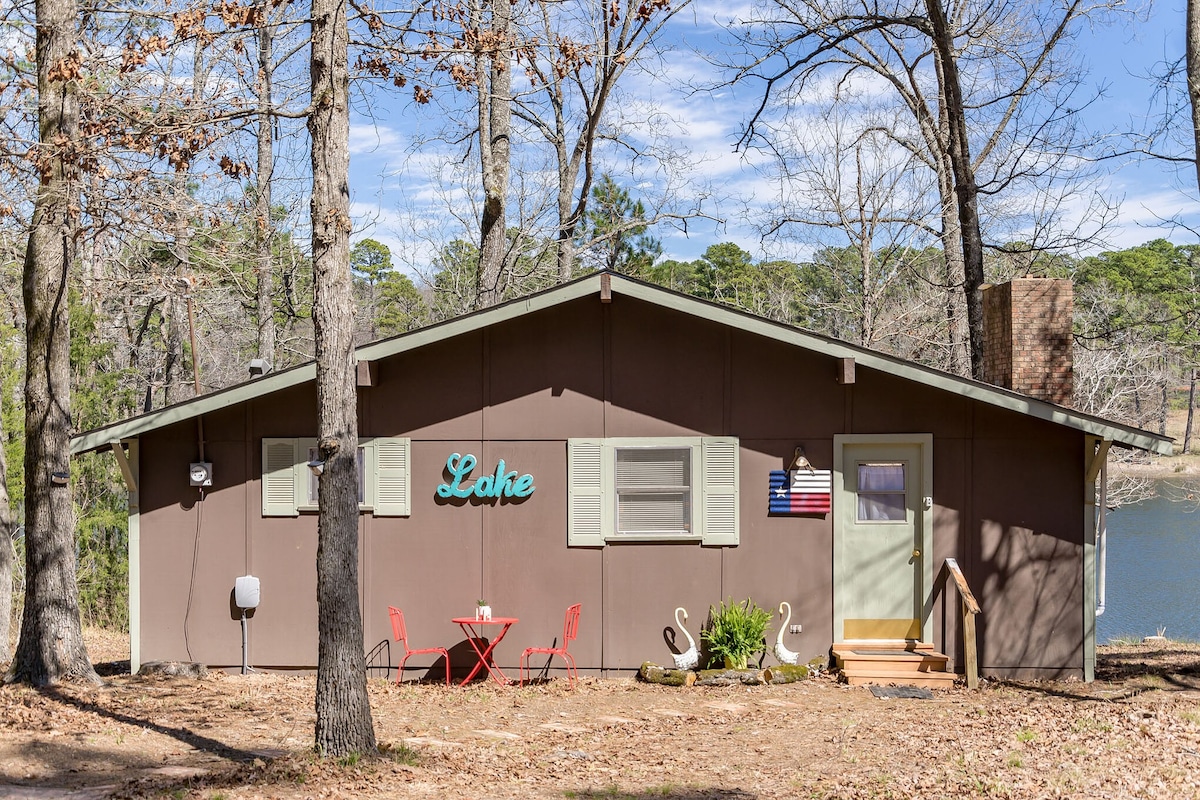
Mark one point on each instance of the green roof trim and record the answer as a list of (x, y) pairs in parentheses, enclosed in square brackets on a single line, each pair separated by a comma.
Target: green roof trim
[(591, 285)]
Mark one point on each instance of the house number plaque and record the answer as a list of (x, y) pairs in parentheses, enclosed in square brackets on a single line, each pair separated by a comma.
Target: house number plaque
[(498, 484)]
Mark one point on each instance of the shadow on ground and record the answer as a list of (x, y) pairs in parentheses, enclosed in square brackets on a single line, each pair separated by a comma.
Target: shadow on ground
[(1124, 671), (669, 794)]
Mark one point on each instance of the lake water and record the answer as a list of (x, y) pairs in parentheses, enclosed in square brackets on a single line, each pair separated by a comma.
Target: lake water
[(1153, 572)]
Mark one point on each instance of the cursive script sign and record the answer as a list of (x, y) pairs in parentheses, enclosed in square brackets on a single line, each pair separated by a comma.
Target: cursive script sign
[(499, 484)]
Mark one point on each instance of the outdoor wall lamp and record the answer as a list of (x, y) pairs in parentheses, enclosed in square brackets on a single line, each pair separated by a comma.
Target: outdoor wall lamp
[(59, 478), (317, 466)]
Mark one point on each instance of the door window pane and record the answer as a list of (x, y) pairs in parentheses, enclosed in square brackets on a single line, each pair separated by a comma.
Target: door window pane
[(881, 492)]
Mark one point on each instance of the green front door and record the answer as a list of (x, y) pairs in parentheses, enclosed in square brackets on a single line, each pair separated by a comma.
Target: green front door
[(882, 567)]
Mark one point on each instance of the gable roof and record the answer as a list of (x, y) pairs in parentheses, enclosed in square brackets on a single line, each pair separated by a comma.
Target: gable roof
[(601, 284)]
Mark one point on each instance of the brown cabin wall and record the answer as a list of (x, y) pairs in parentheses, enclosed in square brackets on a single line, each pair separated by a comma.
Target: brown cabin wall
[(518, 391), (1027, 565)]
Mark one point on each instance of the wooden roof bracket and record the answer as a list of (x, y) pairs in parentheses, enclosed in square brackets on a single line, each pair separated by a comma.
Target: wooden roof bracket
[(1097, 459), (845, 370), (366, 373), (126, 470)]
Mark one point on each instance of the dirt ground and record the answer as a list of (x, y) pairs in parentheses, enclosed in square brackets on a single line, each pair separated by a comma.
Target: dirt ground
[(1133, 733)]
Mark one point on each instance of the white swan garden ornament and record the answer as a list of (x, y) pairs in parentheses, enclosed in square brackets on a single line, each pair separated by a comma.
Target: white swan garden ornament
[(784, 655), (689, 658)]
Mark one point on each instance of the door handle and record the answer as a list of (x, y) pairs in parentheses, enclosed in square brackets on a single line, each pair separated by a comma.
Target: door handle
[(916, 553)]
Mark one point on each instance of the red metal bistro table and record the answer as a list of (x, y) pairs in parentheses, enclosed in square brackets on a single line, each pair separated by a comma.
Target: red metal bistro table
[(468, 625)]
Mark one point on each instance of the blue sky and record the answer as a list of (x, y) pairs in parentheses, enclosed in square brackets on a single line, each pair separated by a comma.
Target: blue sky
[(397, 200)]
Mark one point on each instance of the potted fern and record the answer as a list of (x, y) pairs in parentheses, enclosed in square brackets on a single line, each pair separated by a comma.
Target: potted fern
[(735, 632)]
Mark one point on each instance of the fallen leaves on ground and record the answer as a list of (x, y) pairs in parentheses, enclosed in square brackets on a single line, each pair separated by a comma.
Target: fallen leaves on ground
[(1135, 732)]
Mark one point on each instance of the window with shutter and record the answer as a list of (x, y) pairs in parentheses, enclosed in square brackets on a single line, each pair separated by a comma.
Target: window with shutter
[(668, 489), (289, 486), (392, 479), (279, 478), (585, 490), (720, 491)]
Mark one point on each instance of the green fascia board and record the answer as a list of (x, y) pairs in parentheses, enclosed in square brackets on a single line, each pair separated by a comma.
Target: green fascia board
[(666, 298), (98, 438)]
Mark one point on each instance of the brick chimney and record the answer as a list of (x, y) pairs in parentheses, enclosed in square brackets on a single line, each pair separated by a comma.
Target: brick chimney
[(1027, 337)]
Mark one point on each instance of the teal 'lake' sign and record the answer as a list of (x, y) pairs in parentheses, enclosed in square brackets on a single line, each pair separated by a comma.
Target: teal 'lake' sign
[(500, 484)]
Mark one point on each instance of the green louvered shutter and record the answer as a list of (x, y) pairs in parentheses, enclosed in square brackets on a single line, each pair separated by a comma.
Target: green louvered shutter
[(392, 482), (719, 481), (279, 477), (585, 490)]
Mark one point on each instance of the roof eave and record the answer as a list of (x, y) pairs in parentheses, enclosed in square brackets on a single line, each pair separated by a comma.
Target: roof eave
[(190, 409), (592, 284), (993, 395)]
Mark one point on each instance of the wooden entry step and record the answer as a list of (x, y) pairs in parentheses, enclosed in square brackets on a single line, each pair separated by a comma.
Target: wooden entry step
[(903, 662)]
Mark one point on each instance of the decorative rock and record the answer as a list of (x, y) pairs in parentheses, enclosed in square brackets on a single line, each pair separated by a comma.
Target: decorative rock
[(732, 677), (174, 669)]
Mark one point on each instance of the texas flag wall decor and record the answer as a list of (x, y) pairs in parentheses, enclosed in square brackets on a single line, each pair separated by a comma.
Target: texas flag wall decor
[(801, 491)]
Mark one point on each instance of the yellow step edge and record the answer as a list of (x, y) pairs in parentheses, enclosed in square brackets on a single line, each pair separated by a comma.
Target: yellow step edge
[(899, 659)]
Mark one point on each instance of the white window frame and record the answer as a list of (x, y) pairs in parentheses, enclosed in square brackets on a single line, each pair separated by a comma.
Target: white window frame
[(695, 512), (384, 478), (902, 493), (592, 495), (306, 494)]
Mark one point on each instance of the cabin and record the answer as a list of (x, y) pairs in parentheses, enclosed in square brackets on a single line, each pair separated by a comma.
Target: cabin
[(611, 443)]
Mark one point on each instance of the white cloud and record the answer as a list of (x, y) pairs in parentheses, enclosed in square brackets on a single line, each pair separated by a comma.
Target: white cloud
[(1159, 214), (373, 138)]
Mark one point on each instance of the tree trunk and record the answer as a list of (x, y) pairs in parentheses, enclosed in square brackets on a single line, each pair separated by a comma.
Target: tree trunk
[(179, 320), (1191, 413), (568, 222), (866, 255), (965, 190), (263, 225), (952, 277), (174, 386), (1193, 76), (1193, 83), (1164, 400), (343, 708), (495, 125), (51, 648), (7, 524)]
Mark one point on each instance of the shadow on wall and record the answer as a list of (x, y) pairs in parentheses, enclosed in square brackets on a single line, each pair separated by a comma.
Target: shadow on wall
[(1031, 594)]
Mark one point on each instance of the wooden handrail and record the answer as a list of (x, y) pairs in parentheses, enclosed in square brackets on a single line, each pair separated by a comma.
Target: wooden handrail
[(970, 607), (964, 590)]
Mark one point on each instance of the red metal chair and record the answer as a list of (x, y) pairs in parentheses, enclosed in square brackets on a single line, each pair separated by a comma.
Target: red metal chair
[(570, 630), (400, 634)]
